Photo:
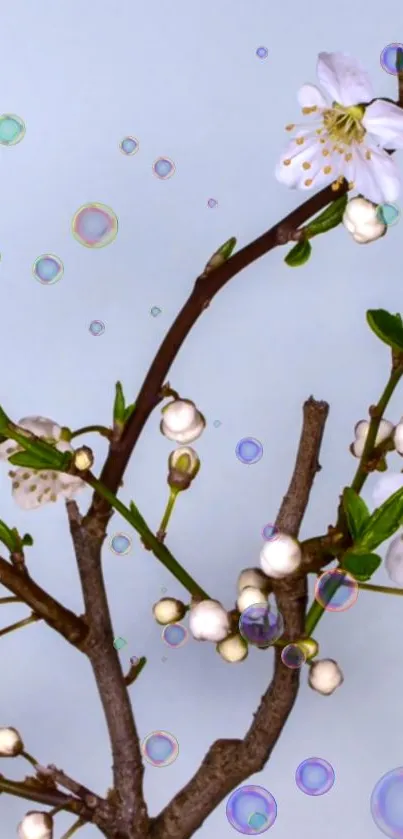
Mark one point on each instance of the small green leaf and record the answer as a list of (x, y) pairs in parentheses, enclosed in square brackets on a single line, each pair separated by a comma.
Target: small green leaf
[(119, 405), (27, 540), (382, 465), (221, 255), (330, 217), (383, 523), (227, 248), (299, 254), (387, 327), (7, 537), (129, 411), (356, 511), (4, 422), (361, 566)]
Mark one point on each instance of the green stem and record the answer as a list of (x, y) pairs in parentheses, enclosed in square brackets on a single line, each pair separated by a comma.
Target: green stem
[(19, 624), (317, 610), (74, 827), (88, 429), (168, 512), (381, 589), (29, 758)]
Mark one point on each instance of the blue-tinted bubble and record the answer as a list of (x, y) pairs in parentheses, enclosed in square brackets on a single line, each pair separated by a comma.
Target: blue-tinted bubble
[(336, 590), (212, 203), (251, 810), (388, 58), (119, 643), (48, 269), (270, 532), (129, 145), (155, 311), (163, 168), (387, 803), (94, 225), (160, 748), (12, 129), (262, 52), (120, 544), (293, 656), (314, 776), (217, 423), (175, 635), (388, 214), (249, 450), (261, 625), (97, 327)]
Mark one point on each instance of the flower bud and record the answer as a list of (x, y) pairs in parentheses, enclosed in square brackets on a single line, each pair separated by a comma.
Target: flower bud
[(280, 557), (252, 577), (36, 825), (181, 421), (309, 647), (168, 610), (208, 621), (398, 437), (83, 459), (361, 220), (325, 676), (361, 433), (11, 743), (183, 465), (394, 560), (250, 596), (233, 649)]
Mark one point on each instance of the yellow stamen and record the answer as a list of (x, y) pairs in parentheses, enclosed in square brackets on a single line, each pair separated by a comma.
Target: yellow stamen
[(290, 126), (306, 165), (351, 185), (368, 154), (286, 162), (348, 156), (300, 140), (308, 182), (327, 170), (325, 152)]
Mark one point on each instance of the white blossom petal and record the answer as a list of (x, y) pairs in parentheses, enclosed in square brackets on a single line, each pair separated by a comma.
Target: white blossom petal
[(385, 121), (394, 560), (344, 79), (309, 96), (305, 166), (377, 178)]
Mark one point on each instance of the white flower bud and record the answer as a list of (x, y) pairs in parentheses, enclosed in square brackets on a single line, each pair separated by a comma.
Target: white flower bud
[(250, 596), (252, 577), (233, 649), (385, 486), (280, 557), (208, 621), (168, 610), (83, 459), (361, 433), (361, 220), (11, 743), (394, 560), (398, 437), (325, 676), (183, 466), (181, 421), (36, 825)]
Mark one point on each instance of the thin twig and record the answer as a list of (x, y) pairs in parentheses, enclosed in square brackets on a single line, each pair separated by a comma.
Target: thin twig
[(61, 779), (19, 625), (42, 794), (135, 670)]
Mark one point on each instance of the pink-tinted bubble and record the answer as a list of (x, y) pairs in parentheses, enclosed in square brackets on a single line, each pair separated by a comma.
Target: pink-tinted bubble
[(175, 635), (270, 532), (160, 748), (48, 269), (94, 225), (261, 625), (336, 590), (251, 810), (293, 656), (387, 804), (314, 776)]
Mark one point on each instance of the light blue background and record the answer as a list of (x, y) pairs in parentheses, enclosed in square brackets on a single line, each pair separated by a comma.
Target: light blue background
[(184, 79)]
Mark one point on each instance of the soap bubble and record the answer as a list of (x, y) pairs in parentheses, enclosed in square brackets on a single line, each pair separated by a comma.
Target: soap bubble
[(12, 129), (251, 810), (336, 590), (217, 423), (262, 52), (270, 532), (261, 625), (388, 213), (387, 804), (120, 544), (129, 145), (314, 776), (94, 225), (155, 311), (388, 58), (212, 203), (160, 748), (249, 450), (163, 168), (97, 327), (175, 635), (48, 269), (293, 656)]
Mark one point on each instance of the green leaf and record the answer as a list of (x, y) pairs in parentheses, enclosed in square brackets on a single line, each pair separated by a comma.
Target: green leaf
[(221, 255), (27, 540), (119, 405), (49, 455), (29, 459), (129, 411), (356, 511), (361, 566), (7, 537), (383, 523), (330, 217), (387, 327), (4, 422), (299, 254)]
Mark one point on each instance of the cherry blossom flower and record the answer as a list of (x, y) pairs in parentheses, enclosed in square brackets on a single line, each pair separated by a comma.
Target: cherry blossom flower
[(347, 134)]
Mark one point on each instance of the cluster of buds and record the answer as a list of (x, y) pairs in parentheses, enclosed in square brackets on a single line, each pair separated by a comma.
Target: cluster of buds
[(361, 219), (385, 431)]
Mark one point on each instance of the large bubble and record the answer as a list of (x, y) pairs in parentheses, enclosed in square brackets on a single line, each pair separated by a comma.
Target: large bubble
[(94, 225), (387, 804), (251, 810)]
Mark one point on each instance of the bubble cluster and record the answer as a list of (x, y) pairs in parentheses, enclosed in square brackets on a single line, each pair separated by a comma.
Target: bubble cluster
[(12, 129), (249, 450), (120, 544), (97, 327), (129, 145), (175, 635), (270, 532), (251, 810), (336, 590), (160, 748), (261, 625), (94, 225), (388, 214), (262, 52), (388, 58), (293, 656), (314, 776), (163, 168), (212, 203), (48, 269), (387, 803)]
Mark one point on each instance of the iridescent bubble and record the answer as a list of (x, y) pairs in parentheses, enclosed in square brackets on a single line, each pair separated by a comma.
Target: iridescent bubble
[(261, 625), (129, 145), (48, 269), (336, 590), (175, 635), (270, 532), (388, 214), (387, 803), (163, 168), (12, 129), (262, 52), (160, 748), (94, 225), (212, 203), (249, 450), (314, 776), (155, 311), (97, 327), (251, 810), (388, 58), (120, 544), (293, 656)]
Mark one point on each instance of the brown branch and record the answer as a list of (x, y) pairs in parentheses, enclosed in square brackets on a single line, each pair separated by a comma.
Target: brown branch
[(58, 777), (33, 790)]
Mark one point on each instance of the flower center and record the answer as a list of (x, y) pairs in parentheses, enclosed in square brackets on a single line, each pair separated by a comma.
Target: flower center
[(344, 125)]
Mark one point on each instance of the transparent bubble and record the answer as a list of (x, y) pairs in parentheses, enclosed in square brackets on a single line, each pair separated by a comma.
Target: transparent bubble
[(388, 58), (175, 635), (249, 450), (160, 748), (261, 625), (94, 225), (251, 810), (119, 643), (155, 311), (129, 145), (120, 544), (293, 656), (48, 269), (163, 168), (270, 532), (388, 214), (314, 776), (262, 52), (212, 203), (12, 129), (387, 804), (336, 590), (97, 327), (217, 423)]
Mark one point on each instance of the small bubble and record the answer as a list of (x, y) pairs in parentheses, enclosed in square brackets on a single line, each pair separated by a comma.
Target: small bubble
[(97, 327), (160, 748), (261, 625), (270, 532), (119, 643), (94, 225), (212, 203), (134, 661), (249, 450), (120, 544), (48, 269), (314, 776), (388, 58), (293, 656), (262, 52), (217, 423), (251, 810), (12, 129), (387, 804), (155, 311), (129, 145), (163, 168), (175, 635), (388, 214), (336, 590)]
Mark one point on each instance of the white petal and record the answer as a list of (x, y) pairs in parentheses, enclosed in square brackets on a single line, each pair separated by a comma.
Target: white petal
[(398, 438), (344, 78), (41, 427), (189, 436), (295, 176), (385, 486), (377, 178), (385, 121), (394, 560), (8, 448), (309, 96)]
